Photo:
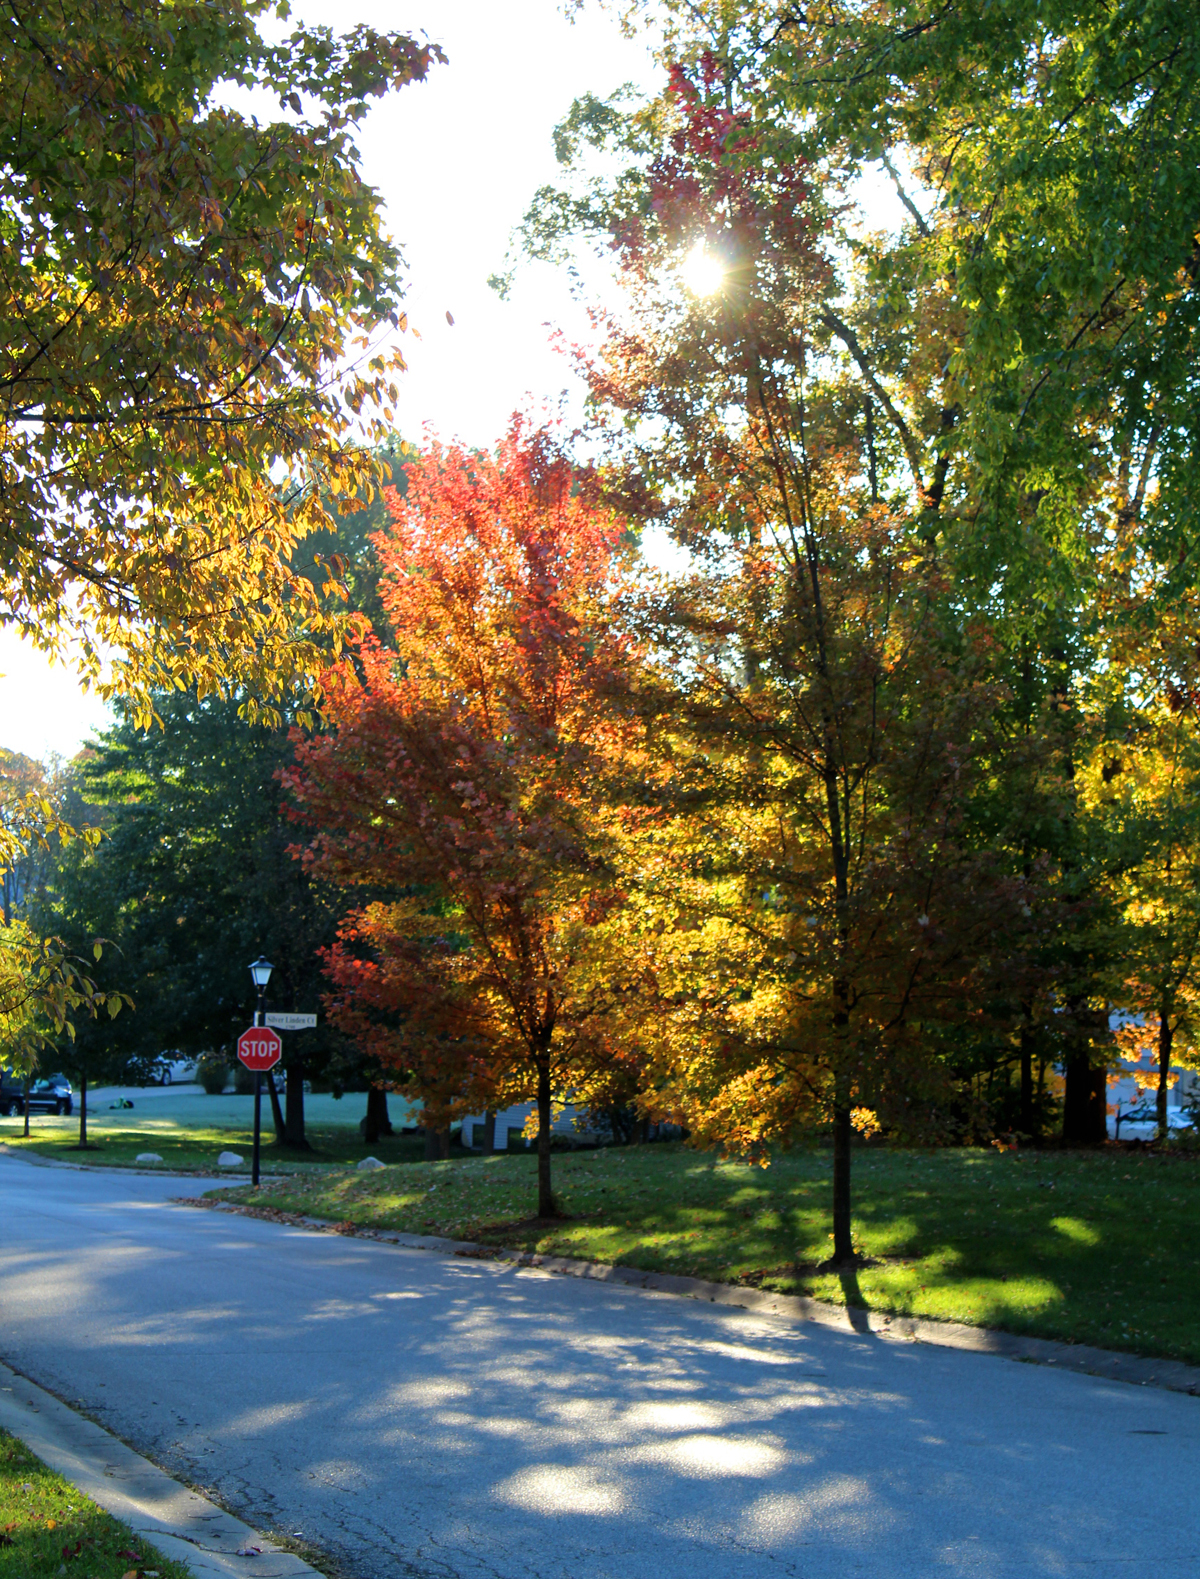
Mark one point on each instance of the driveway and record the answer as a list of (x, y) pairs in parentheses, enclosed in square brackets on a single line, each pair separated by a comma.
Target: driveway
[(417, 1415)]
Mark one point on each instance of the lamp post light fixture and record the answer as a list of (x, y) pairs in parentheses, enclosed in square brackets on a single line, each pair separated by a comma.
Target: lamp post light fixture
[(260, 973)]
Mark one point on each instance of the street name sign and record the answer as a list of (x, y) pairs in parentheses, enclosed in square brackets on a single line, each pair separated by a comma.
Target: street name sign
[(259, 1048), (291, 1022)]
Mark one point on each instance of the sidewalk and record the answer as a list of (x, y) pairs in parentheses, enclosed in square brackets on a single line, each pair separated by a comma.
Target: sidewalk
[(180, 1523)]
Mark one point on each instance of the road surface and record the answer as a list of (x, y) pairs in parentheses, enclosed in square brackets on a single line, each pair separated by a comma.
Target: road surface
[(415, 1415)]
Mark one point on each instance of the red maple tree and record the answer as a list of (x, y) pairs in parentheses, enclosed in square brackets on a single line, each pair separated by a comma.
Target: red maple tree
[(462, 782)]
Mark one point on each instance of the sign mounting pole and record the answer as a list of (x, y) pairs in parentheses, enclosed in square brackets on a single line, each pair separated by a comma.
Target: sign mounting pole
[(259, 1048), (258, 1018)]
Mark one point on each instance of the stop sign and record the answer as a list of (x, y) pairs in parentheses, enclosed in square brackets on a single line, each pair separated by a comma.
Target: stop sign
[(260, 1047)]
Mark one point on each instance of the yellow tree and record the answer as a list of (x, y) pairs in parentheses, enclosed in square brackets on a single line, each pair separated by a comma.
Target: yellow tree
[(191, 305), (821, 915), (1145, 793), (190, 302), (41, 983)]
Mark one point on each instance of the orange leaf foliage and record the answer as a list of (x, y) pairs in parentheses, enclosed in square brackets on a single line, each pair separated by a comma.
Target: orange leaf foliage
[(463, 784)]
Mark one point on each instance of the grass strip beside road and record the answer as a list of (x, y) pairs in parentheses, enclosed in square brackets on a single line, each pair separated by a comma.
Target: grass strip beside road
[(1082, 1247), (48, 1528), (196, 1149)]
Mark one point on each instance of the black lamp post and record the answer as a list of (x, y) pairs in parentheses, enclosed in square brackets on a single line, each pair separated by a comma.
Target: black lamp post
[(260, 972)]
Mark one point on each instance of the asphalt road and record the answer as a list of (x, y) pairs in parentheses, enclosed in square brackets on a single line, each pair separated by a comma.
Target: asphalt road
[(417, 1415)]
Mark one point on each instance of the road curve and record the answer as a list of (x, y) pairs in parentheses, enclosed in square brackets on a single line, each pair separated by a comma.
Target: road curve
[(423, 1416)]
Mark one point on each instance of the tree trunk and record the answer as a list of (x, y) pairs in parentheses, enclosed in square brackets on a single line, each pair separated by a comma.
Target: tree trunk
[(378, 1123), (82, 1111), (843, 1237), (1166, 1036), (1097, 1108), (437, 1144), (26, 1106), (276, 1110), (1025, 1120), (547, 1206), (293, 1124), (489, 1131), (1084, 1102)]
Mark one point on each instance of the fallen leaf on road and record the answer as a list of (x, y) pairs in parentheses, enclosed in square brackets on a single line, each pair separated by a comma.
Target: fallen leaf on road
[(249, 1551)]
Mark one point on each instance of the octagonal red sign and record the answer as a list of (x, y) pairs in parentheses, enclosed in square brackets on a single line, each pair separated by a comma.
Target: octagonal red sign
[(260, 1047)]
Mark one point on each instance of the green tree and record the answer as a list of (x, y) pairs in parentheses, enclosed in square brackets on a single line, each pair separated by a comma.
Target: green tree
[(192, 880)]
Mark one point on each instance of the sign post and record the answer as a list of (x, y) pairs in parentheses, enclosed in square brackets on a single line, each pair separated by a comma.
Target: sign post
[(259, 1048)]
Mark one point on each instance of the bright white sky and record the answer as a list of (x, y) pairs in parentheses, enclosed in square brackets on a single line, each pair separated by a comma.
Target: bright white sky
[(457, 160)]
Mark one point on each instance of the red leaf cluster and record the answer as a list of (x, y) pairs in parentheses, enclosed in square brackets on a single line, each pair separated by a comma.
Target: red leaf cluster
[(708, 182)]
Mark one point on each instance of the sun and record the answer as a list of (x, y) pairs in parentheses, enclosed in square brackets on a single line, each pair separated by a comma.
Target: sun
[(702, 272)]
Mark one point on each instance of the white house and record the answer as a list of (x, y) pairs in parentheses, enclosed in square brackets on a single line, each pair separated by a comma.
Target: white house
[(568, 1122), (1123, 1090)]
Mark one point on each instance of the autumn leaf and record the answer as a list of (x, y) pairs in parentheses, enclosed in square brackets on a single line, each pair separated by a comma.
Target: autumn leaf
[(472, 771)]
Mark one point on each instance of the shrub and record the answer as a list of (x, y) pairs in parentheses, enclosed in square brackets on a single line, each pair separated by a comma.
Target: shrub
[(212, 1072)]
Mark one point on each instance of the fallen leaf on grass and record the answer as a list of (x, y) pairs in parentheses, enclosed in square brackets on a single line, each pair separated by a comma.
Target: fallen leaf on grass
[(71, 1552)]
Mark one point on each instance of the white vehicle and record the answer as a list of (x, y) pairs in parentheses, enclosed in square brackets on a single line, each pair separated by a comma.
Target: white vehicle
[(171, 1070), (1139, 1121)]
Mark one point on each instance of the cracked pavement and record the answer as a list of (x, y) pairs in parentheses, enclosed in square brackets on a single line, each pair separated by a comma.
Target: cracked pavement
[(416, 1415)]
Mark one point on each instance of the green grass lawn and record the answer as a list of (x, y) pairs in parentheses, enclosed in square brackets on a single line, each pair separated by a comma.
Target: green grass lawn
[(189, 1130), (1087, 1247), (48, 1528)]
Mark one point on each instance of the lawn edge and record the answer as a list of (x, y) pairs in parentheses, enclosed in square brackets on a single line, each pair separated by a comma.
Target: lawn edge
[(177, 1520), (1109, 1364), (148, 1170)]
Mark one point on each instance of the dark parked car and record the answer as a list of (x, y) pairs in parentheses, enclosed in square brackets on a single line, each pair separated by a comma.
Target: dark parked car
[(12, 1093), (52, 1095)]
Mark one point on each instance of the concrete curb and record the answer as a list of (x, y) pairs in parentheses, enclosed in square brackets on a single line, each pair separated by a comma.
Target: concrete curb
[(1172, 1375), (180, 1523)]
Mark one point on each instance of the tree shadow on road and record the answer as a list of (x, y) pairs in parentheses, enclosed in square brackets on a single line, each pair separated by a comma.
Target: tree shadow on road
[(856, 1300)]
